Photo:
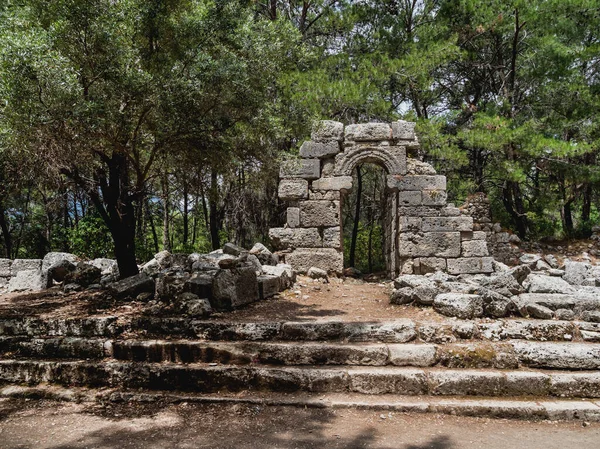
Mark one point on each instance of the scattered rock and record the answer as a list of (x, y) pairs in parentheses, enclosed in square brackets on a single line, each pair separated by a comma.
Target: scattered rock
[(317, 273), (537, 283), (132, 286)]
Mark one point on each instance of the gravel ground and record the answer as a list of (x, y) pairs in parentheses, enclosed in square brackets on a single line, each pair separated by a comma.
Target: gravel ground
[(45, 424)]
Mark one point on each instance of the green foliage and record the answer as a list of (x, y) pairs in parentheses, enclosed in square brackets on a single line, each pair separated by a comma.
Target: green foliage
[(90, 238)]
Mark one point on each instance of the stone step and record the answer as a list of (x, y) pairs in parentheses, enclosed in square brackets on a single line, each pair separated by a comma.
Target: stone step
[(505, 408), (502, 355), (396, 331), (367, 380)]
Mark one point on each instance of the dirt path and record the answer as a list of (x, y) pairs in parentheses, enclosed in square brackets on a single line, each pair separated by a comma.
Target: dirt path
[(33, 424)]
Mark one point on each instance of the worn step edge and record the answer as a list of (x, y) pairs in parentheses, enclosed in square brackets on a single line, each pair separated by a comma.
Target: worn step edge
[(505, 408), (368, 380), (394, 331), (510, 354)]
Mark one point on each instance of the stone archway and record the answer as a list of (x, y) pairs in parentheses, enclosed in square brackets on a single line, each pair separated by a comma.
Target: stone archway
[(424, 233)]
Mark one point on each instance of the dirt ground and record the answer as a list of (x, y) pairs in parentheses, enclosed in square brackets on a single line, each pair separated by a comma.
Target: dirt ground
[(51, 425), (346, 300)]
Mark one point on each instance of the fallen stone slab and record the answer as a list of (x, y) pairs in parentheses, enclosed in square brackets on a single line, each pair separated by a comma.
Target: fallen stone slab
[(459, 305), (132, 286), (536, 283)]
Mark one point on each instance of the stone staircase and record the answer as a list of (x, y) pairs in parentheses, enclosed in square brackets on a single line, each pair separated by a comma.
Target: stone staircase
[(539, 369)]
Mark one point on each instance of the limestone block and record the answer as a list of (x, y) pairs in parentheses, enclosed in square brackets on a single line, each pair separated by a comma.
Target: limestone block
[(479, 235), (450, 211), (293, 217), (286, 238), (368, 132), (434, 197), (234, 288), (300, 168), (268, 285), (537, 283), (332, 237), (333, 183), (319, 213), (319, 150), (327, 259), (470, 265), (327, 129), (5, 268), (460, 305), (293, 189), (416, 182), (441, 224), (417, 167), (575, 272), (327, 167), (409, 224), (402, 130), (418, 211), (393, 158), (25, 264), (474, 248), (430, 264), (324, 195), (429, 244), (409, 198), (28, 280)]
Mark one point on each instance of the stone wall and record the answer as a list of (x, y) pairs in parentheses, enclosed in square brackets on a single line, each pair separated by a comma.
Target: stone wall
[(422, 232), (502, 245)]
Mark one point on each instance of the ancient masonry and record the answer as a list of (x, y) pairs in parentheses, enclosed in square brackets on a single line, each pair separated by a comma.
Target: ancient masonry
[(421, 232)]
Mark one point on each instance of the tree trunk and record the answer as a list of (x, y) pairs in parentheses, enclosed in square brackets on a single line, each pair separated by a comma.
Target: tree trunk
[(5, 232), (165, 200), (213, 213), (513, 203), (351, 258), (186, 217)]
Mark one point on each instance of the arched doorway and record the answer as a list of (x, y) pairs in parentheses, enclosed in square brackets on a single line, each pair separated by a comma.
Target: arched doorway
[(364, 217)]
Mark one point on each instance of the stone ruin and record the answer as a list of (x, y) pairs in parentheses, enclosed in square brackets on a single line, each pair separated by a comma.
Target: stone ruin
[(422, 233)]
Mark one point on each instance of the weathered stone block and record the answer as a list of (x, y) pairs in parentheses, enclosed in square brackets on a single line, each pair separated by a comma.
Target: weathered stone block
[(327, 167), (293, 189), (25, 265), (234, 288), (289, 238), (430, 264), (293, 217), (285, 273), (418, 211), (333, 183), (460, 305), (311, 149), (434, 197), (470, 265), (5, 268), (328, 259), (200, 285), (474, 248), (450, 211), (430, 244), (409, 198), (409, 224), (332, 237), (442, 224), (132, 286), (368, 132), (416, 182), (28, 280), (300, 168), (324, 195), (327, 129), (268, 285), (402, 130), (319, 213)]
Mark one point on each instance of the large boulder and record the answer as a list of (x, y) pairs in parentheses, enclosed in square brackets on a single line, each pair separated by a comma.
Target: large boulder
[(263, 254), (108, 267), (170, 284), (59, 270)]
